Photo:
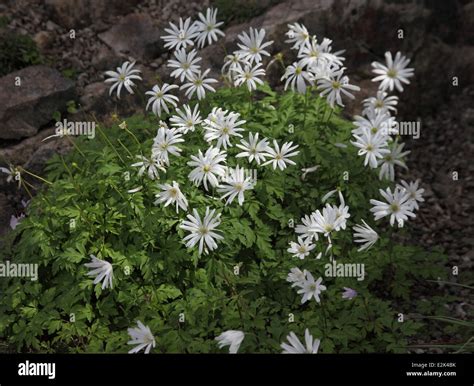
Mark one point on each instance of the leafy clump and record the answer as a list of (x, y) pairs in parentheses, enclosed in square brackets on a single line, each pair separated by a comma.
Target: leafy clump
[(17, 52), (99, 204)]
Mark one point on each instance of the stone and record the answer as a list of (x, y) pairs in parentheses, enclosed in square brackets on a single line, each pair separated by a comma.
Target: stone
[(80, 13), (26, 107), (43, 39), (136, 36)]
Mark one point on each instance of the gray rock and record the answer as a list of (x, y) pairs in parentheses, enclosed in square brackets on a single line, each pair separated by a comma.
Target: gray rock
[(135, 35), (25, 108), (79, 13)]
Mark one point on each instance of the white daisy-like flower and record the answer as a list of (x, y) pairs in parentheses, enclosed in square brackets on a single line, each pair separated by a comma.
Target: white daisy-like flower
[(142, 338), (296, 276), (398, 206), (394, 73), (342, 213), (207, 167), (382, 103), (165, 144), (171, 194), (296, 347), (374, 122), (297, 77), (334, 86), (307, 229), (392, 158), (327, 221), (186, 120), (102, 270), (198, 83), (314, 55), (415, 194), (234, 184), (253, 149), (150, 166), (182, 36), (14, 220), (202, 232), (311, 288), (252, 46), (123, 77), (249, 75), (233, 62), (279, 158), (185, 64), (13, 173), (208, 28), (373, 146), (302, 248), (366, 235), (222, 125), (160, 99), (232, 338), (298, 35)]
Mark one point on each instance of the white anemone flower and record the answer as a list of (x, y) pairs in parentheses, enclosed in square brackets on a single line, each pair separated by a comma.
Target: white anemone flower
[(398, 206), (208, 28), (207, 167), (296, 347), (124, 77), (165, 144), (415, 194), (182, 36), (150, 166), (334, 86), (296, 276), (186, 120), (373, 146), (393, 157), (185, 64), (297, 77), (142, 338), (252, 46), (382, 103), (365, 235), (13, 173), (281, 157), (171, 194), (249, 75), (198, 83), (307, 228), (253, 149), (222, 125), (302, 248), (231, 338), (160, 99), (202, 231), (394, 73), (234, 184), (311, 288), (298, 35), (102, 270)]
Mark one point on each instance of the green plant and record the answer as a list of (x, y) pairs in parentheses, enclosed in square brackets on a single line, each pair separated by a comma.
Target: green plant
[(17, 52), (188, 299)]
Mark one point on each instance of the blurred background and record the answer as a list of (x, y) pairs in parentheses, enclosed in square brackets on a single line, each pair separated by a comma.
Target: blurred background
[(59, 49)]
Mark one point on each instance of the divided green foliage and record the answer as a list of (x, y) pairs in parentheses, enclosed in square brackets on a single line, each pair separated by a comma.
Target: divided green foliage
[(157, 280)]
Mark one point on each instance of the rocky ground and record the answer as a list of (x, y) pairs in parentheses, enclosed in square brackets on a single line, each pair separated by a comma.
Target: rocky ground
[(438, 36)]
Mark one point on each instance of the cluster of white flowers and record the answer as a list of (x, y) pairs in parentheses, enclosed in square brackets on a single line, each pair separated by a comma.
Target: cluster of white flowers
[(318, 65), (244, 66)]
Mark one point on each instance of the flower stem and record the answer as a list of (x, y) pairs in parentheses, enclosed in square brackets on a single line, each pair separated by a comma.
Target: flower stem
[(38, 177)]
